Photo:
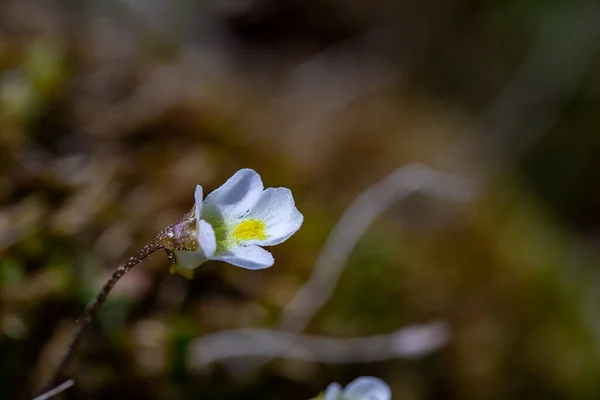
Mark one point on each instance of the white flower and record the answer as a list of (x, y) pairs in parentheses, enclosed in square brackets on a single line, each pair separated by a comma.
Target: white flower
[(236, 219), (363, 388)]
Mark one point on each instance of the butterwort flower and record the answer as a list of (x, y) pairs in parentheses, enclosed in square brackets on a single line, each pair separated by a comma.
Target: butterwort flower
[(363, 388), (233, 223)]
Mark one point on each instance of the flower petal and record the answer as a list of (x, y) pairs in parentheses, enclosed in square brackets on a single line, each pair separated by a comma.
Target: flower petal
[(198, 205), (277, 210), (333, 391), (206, 238), (368, 388), (236, 196), (207, 245), (249, 257), (189, 260)]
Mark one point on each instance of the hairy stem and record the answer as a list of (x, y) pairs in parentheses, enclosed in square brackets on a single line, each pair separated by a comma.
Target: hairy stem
[(175, 237), (92, 308)]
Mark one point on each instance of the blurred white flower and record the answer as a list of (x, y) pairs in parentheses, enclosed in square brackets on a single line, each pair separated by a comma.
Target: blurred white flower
[(236, 219), (363, 388)]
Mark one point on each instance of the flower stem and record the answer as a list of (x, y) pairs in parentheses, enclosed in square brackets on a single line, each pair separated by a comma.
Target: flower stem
[(92, 308), (175, 237)]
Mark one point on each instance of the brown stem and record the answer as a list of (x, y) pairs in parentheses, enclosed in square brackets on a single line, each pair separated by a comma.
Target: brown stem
[(92, 308), (178, 236)]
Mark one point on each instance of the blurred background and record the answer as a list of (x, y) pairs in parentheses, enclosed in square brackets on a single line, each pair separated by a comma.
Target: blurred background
[(445, 155)]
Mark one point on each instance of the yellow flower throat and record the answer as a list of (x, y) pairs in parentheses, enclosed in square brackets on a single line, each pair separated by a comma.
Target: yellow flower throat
[(249, 229)]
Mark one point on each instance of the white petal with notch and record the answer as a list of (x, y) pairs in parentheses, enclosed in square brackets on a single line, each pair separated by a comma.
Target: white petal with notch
[(249, 257), (276, 208), (236, 196)]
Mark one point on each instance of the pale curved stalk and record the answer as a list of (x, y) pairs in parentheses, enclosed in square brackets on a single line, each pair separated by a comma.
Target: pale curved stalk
[(57, 390)]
